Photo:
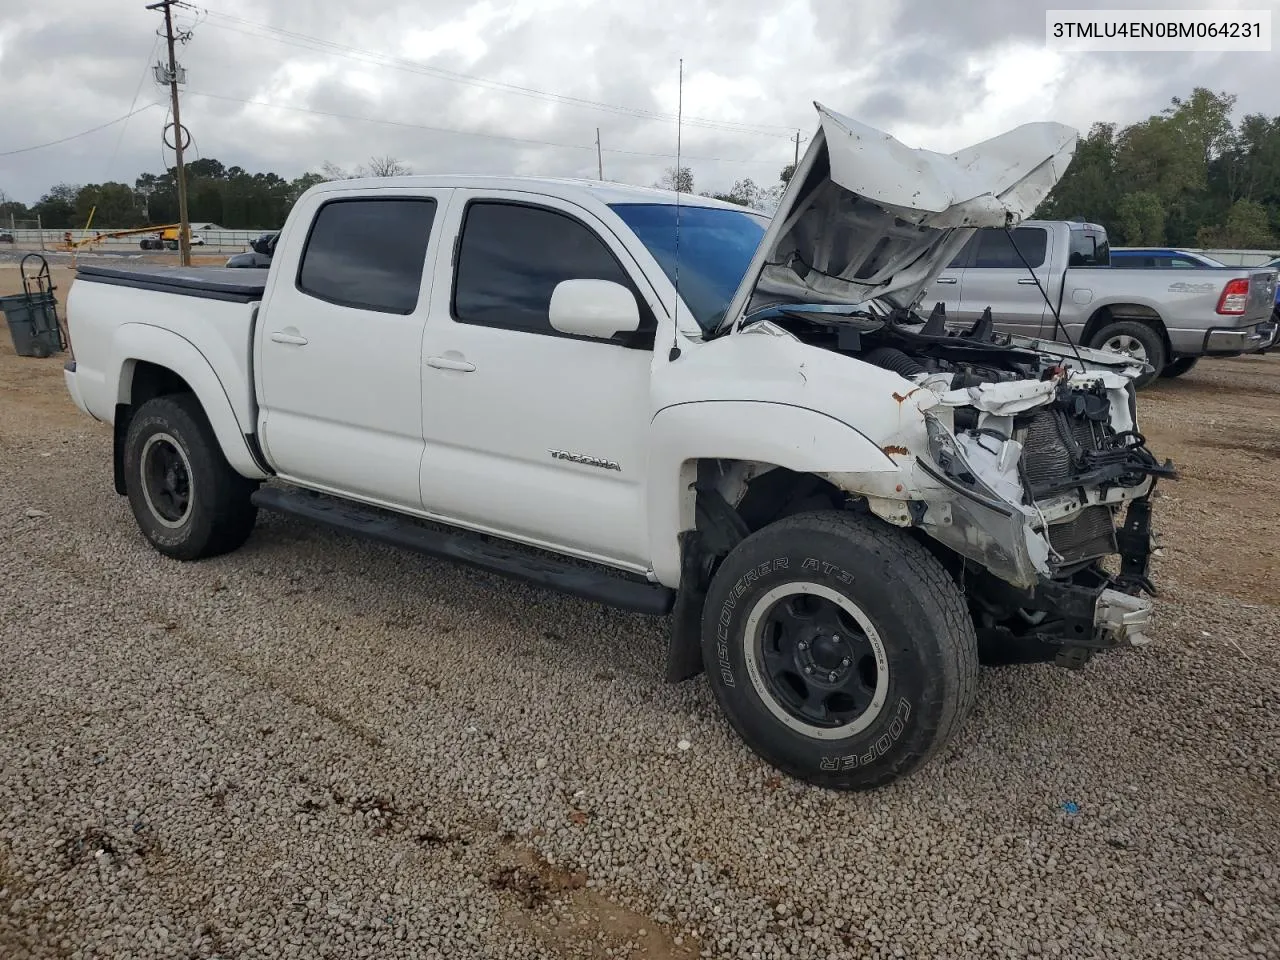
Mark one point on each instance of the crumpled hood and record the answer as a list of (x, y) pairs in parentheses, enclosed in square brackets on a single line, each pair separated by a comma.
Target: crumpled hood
[(866, 217)]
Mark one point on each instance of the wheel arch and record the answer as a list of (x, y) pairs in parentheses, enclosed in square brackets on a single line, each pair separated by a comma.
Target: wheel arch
[(730, 446), (1134, 312), (157, 362)]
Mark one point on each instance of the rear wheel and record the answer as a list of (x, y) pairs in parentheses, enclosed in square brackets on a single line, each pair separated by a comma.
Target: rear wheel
[(1137, 340), (1178, 366), (188, 501), (839, 649)]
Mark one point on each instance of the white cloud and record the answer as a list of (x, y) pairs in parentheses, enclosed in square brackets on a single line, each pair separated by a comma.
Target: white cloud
[(934, 73)]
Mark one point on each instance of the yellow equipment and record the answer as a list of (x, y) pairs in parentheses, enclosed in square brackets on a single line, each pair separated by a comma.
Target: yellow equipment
[(160, 237)]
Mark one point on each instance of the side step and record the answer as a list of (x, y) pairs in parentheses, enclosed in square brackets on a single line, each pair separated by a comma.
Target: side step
[(544, 570)]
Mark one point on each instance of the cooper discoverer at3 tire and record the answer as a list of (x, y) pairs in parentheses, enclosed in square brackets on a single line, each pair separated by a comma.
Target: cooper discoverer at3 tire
[(839, 649)]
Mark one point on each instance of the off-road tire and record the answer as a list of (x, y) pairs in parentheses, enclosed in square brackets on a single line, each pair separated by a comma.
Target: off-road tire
[(221, 514), (1152, 344), (1178, 366), (916, 610)]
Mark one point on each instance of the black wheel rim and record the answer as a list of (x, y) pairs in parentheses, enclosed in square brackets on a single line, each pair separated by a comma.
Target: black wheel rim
[(821, 666), (166, 479)]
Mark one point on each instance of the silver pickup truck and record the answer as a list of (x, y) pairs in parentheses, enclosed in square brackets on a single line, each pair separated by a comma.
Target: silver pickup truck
[(1169, 318)]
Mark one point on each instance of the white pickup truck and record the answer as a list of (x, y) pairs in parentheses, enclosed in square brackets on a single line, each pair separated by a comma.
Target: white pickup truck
[(741, 424)]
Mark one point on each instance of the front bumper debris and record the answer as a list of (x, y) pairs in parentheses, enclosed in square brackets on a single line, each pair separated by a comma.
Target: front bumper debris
[(1120, 619)]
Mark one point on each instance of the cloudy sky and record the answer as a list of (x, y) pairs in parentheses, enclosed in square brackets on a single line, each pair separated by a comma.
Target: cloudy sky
[(503, 86)]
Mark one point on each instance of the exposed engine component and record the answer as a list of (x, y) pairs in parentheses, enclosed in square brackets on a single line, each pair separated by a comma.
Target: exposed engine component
[(891, 358), (903, 344), (1090, 535), (1055, 445)]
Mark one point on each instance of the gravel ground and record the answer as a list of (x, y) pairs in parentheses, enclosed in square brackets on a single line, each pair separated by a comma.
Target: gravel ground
[(318, 747)]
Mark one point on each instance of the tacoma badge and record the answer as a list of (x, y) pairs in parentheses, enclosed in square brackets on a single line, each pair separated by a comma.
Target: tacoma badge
[(583, 458)]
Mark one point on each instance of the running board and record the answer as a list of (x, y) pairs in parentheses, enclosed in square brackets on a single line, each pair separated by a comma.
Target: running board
[(589, 583)]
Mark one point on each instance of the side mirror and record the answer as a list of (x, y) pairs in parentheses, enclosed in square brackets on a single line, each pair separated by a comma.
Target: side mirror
[(593, 308)]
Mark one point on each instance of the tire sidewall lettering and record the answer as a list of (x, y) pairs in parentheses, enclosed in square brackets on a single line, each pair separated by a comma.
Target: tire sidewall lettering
[(725, 619), (870, 745), (897, 726)]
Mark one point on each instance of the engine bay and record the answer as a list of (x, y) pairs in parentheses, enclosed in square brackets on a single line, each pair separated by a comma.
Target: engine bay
[(1042, 427), (910, 346), (1071, 434)]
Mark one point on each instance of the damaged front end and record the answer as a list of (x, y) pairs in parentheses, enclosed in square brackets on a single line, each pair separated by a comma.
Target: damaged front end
[(1025, 464), (1017, 455)]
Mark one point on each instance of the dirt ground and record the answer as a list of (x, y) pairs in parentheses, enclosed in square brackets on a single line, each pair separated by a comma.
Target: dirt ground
[(181, 736)]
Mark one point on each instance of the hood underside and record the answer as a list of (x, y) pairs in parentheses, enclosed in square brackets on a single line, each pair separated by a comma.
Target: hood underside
[(866, 217)]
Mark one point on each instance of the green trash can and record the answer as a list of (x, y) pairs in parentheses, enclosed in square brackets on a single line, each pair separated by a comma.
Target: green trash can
[(33, 324)]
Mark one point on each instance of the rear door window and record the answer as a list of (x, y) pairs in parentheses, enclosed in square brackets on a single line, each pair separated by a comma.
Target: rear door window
[(994, 251), (961, 259), (368, 253)]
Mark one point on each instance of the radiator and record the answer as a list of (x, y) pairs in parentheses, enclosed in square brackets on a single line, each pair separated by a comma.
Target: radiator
[(1047, 460)]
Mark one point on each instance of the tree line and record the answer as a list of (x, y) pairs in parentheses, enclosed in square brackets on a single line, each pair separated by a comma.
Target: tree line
[(1186, 176), (231, 197)]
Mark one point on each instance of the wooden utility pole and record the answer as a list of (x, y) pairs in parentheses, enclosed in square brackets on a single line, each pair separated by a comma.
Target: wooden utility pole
[(599, 157), (184, 224), (796, 162)]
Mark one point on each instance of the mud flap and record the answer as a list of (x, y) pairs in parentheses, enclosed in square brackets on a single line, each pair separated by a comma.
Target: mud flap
[(684, 647), (118, 431)]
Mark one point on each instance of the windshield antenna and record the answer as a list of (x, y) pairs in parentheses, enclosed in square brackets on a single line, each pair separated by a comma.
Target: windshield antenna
[(1057, 318), (675, 310)]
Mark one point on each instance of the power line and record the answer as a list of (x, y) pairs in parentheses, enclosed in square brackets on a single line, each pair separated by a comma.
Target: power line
[(82, 133), (146, 68), (319, 44), (469, 133)]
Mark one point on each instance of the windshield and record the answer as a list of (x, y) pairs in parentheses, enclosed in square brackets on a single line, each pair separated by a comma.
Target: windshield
[(716, 247)]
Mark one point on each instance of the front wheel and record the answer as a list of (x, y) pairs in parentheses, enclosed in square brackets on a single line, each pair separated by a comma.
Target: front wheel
[(188, 501), (839, 649)]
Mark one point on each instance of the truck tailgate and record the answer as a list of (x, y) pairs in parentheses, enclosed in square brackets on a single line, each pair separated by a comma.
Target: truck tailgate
[(1262, 294)]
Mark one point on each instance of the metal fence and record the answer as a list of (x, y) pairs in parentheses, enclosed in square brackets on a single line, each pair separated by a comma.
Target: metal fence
[(235, 240), (215, 239)]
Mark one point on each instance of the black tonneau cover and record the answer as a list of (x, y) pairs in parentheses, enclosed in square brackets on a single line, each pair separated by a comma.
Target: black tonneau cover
[(209, 283)]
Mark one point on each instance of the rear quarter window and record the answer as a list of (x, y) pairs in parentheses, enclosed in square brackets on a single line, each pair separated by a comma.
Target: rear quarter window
[(1088, 250)]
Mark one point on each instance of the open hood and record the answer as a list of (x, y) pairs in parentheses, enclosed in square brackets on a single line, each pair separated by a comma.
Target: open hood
[(866, 217)]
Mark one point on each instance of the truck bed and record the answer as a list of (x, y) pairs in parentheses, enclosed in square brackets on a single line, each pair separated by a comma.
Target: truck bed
[(207, 283)]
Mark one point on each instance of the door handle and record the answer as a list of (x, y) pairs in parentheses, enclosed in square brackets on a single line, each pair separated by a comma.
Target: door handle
[(449, 363), (281, 337), (947, 280), (1028, 281)]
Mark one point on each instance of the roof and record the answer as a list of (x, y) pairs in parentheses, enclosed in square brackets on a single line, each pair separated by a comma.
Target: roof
[(1160, 251), (605, 191), (1070, 224)]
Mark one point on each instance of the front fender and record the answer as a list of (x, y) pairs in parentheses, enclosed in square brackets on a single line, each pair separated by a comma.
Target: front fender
[(782, 434), (136, 342)]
